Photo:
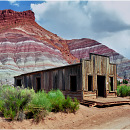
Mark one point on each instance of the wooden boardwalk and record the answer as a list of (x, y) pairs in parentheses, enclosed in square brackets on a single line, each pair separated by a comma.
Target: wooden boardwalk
[(106, 102)]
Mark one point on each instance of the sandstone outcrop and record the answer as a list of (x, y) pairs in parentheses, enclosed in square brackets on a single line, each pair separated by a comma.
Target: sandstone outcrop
[(25, 46), (10, 17)]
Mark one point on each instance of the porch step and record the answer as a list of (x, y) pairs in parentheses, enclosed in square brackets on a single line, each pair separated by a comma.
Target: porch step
[(110, 104), (88, 103), (102, 105)]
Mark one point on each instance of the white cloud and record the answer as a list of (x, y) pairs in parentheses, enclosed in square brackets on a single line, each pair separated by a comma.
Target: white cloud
[(120, 41), (121, 8), (14, 2), (108, 22)]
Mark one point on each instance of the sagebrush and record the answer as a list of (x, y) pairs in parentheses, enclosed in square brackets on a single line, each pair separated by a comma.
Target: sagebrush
[(123, 91), (18, 103), (13, 101)]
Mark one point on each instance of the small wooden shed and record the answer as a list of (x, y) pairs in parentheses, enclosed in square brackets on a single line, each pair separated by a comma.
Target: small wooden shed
[(87, 79)]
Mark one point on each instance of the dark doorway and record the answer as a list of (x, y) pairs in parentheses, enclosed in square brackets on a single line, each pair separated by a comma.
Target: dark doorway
[(90, 85), (73, 83), (55, 81), (19, 82), (38, 84), (111, 83), (101, 86)]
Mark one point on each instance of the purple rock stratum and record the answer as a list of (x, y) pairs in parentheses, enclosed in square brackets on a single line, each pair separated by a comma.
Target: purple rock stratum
[(25, 46)]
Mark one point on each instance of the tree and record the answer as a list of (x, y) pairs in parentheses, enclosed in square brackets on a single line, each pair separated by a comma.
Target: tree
[(118, 82), (125, 77), (125, 81)]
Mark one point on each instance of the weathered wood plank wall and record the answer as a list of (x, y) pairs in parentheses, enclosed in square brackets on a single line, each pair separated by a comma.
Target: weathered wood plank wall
[(57, 78), (98, 66)]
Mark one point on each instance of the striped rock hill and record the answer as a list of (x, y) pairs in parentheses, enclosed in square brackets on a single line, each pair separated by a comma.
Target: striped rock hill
[(25, 47)]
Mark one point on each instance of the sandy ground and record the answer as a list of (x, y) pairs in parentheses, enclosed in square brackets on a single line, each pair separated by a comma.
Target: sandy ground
[(117, 117)]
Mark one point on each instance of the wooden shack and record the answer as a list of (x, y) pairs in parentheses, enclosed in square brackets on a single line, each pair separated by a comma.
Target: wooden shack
[(87, 79)]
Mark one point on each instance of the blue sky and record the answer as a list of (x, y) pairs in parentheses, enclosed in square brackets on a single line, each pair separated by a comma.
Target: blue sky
[(105, 21), (18, 5)]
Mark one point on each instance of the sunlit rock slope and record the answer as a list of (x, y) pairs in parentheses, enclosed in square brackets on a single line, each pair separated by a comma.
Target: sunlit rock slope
[(25, 46)]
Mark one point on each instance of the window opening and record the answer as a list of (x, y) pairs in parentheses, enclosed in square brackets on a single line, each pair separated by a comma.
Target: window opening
[(38, 84), (19, 82), (111, 83), (55, 82), (90, 86), (73, 83)]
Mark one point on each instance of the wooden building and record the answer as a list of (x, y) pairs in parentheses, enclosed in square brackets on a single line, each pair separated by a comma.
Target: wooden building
[(87, 79)]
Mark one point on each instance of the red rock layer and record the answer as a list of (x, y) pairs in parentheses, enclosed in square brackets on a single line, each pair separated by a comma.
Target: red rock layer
[(24, 45), (10, 17), (26, 20), (81, 48)]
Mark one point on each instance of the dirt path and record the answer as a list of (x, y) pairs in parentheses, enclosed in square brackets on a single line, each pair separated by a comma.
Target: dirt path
[(121, 123), (117, 117)]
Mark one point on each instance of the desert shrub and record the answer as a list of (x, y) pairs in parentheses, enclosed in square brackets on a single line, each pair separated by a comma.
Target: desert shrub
[(70, 106), (118, 87), (1, 105), (1, 100), (18, 103), (118, 92), (118, 82), (123, 91), (39, 115), (2, 89), (39, 106), (56, 98), (67, 104), (75, 105), (128, 88), (14, 102), (59, 103), (40, 100)]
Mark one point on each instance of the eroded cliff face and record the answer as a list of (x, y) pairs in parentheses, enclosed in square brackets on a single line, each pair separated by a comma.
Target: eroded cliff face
[(25, 46), (80, 48), (8, 18)]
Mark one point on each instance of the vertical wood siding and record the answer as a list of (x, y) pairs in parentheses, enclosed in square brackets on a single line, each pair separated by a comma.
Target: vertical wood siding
[(59, 78), (98, 65)]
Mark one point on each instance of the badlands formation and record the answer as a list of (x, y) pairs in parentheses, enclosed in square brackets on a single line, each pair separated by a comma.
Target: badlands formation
[(25, 47)]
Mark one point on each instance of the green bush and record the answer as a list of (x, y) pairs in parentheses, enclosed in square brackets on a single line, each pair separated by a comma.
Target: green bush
[(123, 91), (128, 90), (1, 100), (40, 100), (118, 92), (2, 89), (39, 115), (56, 98), (118, 82), (15, 101), (59, 103), (1, 104), (75, 105), (39, 106), (70, 106)]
